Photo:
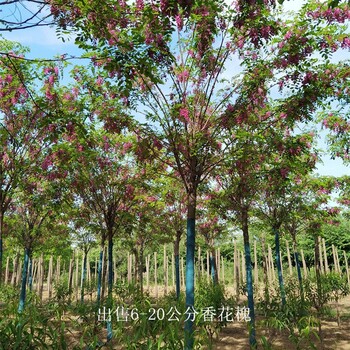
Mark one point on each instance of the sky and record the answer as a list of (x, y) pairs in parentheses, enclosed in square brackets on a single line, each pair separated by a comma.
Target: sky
[(43, 43)]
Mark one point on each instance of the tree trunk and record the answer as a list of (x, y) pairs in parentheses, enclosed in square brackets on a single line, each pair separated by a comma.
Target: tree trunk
[(110, 265), (22, 298), (266, 272), (249, 278), (190, 250), (319, 287), (279, 265), (83, 277), (110, 282), (213, 269), (140, 268), (177, 263), (70, 277), (1, 247), (99, 273), (297, 264), (30, 273)]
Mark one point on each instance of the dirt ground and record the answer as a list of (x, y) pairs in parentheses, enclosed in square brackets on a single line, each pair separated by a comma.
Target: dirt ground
[(235, 335)]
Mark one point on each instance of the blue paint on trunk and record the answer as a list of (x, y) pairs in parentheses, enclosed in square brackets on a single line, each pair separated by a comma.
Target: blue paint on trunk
[(279, 266), (297, 262), (110, 284), (22, 298), (177, 276), (250, 292), (30, 275), (109, 331), (190, 250), (300, 278), (212, 268), (110, 266), (99, 277)]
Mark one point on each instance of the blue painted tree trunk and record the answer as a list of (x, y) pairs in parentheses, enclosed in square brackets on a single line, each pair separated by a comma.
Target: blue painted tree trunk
[(30, 274), (213, 269), (279, 265), (177, 263), (110, 284), (190, 250), (83, 277), (249, 278), (99, 276), (110, 266), (300, 278), (22, 298)]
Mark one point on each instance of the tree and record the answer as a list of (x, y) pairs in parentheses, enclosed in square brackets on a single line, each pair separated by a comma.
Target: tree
[(103, 180), (33, 207), (175, 214), (171, 58), (23, 116), (294, 160), (84, 238)]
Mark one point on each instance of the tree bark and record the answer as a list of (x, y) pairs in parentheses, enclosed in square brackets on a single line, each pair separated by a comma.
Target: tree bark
[(213, 267), (266, 273), (279, 265), (297, 263), (319, 286), (177, 262), (22, 298), (190, 251), (1, 247), (249, 277), (30, 273), (99, 273), (83, 277)]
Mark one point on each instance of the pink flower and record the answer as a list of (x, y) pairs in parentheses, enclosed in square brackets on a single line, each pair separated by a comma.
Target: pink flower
[(179, 22), (51, 127), (283, 115), (75, 92), (183, 76), (284, 172), (127, 146), (46, 163), (67, 96), (157, 144), (288, 35), (99, 81), (184, 114), (139, 4), (51, 79), (8, 78), (129, 191), (346, 43), (49, 95)]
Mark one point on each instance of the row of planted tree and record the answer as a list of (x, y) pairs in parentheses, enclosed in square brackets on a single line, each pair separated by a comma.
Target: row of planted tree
[(77, 279), (158, 133), (159, 277)]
